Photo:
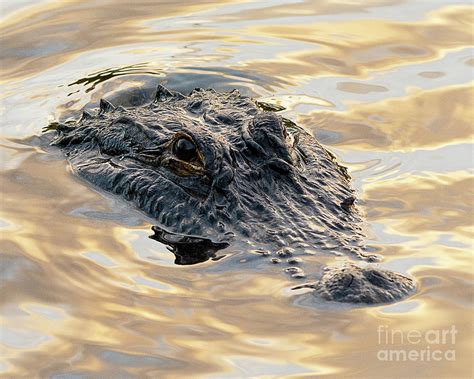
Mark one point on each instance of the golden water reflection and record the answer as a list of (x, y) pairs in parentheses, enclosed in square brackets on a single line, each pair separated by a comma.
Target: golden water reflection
[(359, 48), (385, 84), (423, 119)]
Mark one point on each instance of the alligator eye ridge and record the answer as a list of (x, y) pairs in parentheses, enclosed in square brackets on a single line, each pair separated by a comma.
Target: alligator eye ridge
[(185, 150)]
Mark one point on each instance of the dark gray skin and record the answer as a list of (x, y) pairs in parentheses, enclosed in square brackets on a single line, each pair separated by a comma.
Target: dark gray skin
[(367, 285), (217, 164)]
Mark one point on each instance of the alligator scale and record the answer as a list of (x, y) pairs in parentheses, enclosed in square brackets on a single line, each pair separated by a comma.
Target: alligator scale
[(214, 164)]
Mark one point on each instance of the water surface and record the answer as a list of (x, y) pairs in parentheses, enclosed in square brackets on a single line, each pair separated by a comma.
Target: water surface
[(386, 85)]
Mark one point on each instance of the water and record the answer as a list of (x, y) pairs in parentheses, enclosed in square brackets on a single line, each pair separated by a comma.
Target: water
[(385, 85)]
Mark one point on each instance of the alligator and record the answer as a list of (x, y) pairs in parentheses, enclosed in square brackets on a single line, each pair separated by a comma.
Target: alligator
[(212, 166)]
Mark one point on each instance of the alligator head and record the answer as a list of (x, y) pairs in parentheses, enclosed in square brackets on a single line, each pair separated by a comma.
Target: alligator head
[(209, 165)]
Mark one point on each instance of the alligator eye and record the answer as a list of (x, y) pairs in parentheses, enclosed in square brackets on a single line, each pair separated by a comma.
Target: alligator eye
[(184, 149)]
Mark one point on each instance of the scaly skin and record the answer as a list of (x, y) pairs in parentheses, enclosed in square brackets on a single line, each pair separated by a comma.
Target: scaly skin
[(367, 285)]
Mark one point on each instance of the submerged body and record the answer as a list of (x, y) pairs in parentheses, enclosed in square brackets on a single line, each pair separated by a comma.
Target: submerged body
[(218, 164)]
